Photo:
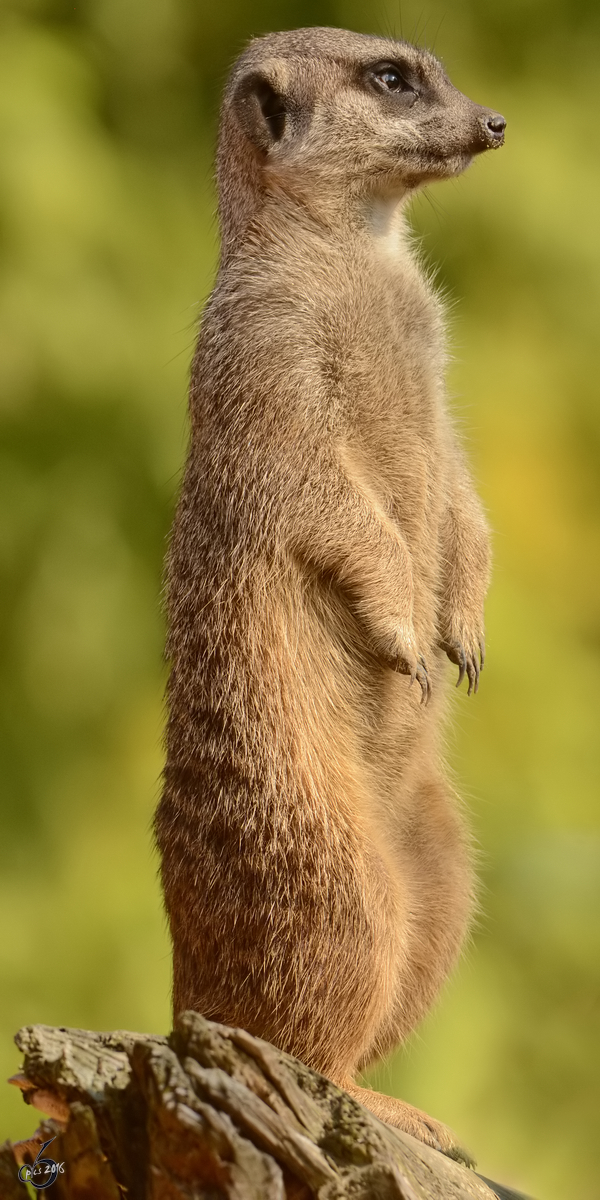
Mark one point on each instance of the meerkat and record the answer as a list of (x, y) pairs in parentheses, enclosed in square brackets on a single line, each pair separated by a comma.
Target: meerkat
[(328, 553)]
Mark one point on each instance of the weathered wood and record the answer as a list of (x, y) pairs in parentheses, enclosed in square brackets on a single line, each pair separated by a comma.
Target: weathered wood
[(10, 1188), (212, 1113)]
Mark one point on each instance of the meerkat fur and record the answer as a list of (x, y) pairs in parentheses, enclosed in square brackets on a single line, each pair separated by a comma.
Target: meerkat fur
[(328, 553)]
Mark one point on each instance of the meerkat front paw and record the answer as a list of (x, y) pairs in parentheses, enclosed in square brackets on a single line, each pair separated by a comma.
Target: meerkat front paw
[(404, 657), (469, 656)]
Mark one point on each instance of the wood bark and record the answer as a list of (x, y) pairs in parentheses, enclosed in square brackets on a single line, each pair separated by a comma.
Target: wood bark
[(211, 1113)]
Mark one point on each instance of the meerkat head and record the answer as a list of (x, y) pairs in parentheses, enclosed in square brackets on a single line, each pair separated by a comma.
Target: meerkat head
[(345, 112)]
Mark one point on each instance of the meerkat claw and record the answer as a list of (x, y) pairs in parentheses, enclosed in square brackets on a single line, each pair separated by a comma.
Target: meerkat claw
[(462, 668), (461, 662), (456, 654), (424, 681), (472, 675), (481, 655)]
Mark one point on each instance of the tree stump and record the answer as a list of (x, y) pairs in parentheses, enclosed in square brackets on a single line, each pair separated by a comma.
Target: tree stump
[(210, 1113)]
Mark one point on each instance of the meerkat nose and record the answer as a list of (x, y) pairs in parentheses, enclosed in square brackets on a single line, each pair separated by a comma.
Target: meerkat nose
[(495, 125)]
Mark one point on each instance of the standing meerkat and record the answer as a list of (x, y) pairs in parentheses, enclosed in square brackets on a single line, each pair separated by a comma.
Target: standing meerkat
[(328, 552)]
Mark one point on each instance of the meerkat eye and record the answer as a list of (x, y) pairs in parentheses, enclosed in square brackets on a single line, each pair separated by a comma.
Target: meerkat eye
[(389, 78)]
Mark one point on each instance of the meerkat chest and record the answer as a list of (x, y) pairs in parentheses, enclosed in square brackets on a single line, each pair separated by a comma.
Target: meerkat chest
[(393, 385), (395, 356), (404, 321)]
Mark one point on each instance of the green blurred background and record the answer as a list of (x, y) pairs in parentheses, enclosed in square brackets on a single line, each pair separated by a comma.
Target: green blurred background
[(108, 245)]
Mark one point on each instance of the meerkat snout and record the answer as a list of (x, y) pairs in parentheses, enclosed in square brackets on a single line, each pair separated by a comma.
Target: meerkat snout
[(496, 126), (490, 131)]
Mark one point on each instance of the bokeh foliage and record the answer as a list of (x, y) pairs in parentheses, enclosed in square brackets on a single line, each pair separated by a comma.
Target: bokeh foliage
[(108, 245)]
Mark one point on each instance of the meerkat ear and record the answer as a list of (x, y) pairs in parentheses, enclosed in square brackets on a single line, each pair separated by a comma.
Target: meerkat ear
[(261, 110)]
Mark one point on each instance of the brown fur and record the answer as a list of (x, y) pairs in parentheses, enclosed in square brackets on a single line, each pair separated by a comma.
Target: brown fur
[(328, 544)]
